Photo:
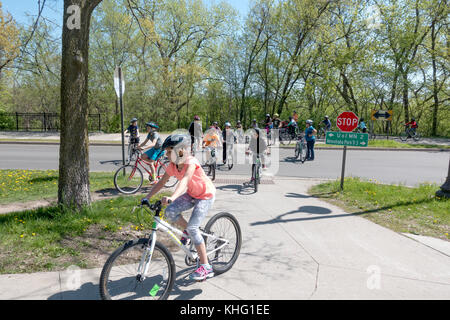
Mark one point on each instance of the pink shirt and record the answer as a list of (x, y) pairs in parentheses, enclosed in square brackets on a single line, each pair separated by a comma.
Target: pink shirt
[(200, 186)]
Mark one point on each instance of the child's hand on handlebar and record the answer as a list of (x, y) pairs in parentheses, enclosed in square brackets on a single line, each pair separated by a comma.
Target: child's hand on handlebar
[(166, 200)]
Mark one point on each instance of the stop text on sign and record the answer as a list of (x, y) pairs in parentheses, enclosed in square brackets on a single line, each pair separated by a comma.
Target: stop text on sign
[(347, 121)]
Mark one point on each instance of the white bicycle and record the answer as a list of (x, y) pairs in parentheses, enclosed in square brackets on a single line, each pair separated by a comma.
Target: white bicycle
[(145, 269)]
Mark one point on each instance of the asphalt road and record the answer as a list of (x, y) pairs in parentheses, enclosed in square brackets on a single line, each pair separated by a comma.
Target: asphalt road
[(405, 167)]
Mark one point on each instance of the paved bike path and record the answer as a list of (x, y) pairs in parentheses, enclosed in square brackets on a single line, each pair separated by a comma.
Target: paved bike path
[(294, 247)]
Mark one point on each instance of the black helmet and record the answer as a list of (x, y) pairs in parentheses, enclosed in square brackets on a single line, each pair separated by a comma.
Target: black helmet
[(413, 119), (177, 140)]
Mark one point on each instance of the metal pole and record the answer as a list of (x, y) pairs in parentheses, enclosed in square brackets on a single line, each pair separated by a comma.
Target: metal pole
[(343, 167), (17, 121), (121, 116)]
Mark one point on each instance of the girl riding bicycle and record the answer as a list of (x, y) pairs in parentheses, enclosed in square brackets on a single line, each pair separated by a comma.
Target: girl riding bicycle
[(200, 195), (154, 151)]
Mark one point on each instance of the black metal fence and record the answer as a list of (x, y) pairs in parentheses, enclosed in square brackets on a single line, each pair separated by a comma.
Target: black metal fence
[(43, 122)]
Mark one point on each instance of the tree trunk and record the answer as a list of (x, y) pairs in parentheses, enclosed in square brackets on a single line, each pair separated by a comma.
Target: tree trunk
[(435, 86), (405, 95), (73, 188)]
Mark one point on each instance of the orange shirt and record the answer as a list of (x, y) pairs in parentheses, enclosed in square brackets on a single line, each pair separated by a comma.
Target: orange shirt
[(211, 139), (200, 186)]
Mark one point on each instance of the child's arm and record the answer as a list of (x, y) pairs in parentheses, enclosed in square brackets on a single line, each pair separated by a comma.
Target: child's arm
[(161, 183), (182, 185)]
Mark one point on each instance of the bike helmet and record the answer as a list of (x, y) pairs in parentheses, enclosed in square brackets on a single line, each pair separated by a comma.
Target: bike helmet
[(413, 119), (239, 122), (152, 125), (196, 118), (133, 120), (227, 124), (177, 141), (326, 117), (267, 115), (276, 115), (309, 121)]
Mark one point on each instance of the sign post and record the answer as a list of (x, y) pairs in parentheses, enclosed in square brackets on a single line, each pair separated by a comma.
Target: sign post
[(347, 122), (119, 86)]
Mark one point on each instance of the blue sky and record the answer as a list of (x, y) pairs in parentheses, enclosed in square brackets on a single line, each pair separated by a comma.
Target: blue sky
[(21, 9)]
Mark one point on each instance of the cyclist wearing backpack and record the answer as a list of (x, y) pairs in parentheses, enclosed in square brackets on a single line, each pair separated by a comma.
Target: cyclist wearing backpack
[(194, 190)]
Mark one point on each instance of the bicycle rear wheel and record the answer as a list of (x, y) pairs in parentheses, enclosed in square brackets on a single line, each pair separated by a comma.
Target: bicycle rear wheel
[(119, 279), (303, 152), (162, 170), (224, 226), (128, 179)]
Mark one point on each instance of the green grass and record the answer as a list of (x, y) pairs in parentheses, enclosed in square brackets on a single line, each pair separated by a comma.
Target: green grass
[(29, 185), (402, 209), (54, 238)]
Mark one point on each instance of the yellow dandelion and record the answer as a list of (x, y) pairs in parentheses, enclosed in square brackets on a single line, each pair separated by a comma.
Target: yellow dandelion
[(21, 235)]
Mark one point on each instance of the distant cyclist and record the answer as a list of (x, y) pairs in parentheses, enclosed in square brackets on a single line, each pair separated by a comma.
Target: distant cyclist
[(229, 139), (292, 126), (257, 147), (154, 151), (362, 125), (327, 124), (133, 131), (254, 124), (239, 132), (413, 125), (195, 130)]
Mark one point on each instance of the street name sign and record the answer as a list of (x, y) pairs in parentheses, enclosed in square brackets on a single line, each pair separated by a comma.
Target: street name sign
[(350, 139)]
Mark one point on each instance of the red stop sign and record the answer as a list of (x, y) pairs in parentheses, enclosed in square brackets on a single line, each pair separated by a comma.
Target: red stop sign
[(347, 121)]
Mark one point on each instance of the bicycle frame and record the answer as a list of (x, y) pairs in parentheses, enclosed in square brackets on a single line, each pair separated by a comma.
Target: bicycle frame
[(157, 164), (159, 224)]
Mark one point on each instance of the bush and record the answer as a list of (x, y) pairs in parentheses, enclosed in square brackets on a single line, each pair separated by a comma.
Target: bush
[(6, 121)]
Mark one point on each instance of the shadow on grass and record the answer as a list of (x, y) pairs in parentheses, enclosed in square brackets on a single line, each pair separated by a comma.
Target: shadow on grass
[(44, 179)]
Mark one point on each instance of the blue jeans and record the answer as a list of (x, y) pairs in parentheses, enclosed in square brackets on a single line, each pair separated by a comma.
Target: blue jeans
[(310, 146)]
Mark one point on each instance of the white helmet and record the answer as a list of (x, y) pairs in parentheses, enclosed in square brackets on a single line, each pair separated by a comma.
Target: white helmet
[(309, 121)]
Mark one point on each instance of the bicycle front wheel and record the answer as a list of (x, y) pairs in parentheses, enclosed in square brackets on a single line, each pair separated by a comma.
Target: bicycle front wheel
[(128, 179), (303, 152), (297, 150), (120, 280), (416, 137), (403, 136), (223, 226)]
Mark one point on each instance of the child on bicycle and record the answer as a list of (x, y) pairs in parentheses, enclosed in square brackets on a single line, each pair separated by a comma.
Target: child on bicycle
[(154, 151), (133, 130), (258, 147), (195, 190)]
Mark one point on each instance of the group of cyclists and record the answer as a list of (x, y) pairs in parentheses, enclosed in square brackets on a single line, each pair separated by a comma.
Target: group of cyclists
[(195, 189)]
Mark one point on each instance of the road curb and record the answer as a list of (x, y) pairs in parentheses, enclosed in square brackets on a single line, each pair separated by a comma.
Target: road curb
[(380, 149), (57, 143), (281, 147)]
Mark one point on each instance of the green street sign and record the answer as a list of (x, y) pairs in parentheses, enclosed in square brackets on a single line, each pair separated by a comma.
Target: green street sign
[(350, 139)]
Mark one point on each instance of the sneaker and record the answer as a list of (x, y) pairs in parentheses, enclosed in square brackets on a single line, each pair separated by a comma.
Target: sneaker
[(185, 240), (202, 273)]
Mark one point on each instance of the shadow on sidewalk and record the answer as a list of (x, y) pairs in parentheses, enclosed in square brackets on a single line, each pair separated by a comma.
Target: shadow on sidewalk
[(239, 188), (90, 291)]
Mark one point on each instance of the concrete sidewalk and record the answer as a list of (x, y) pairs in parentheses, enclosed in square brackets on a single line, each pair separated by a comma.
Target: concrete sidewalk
[(294, 247)]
